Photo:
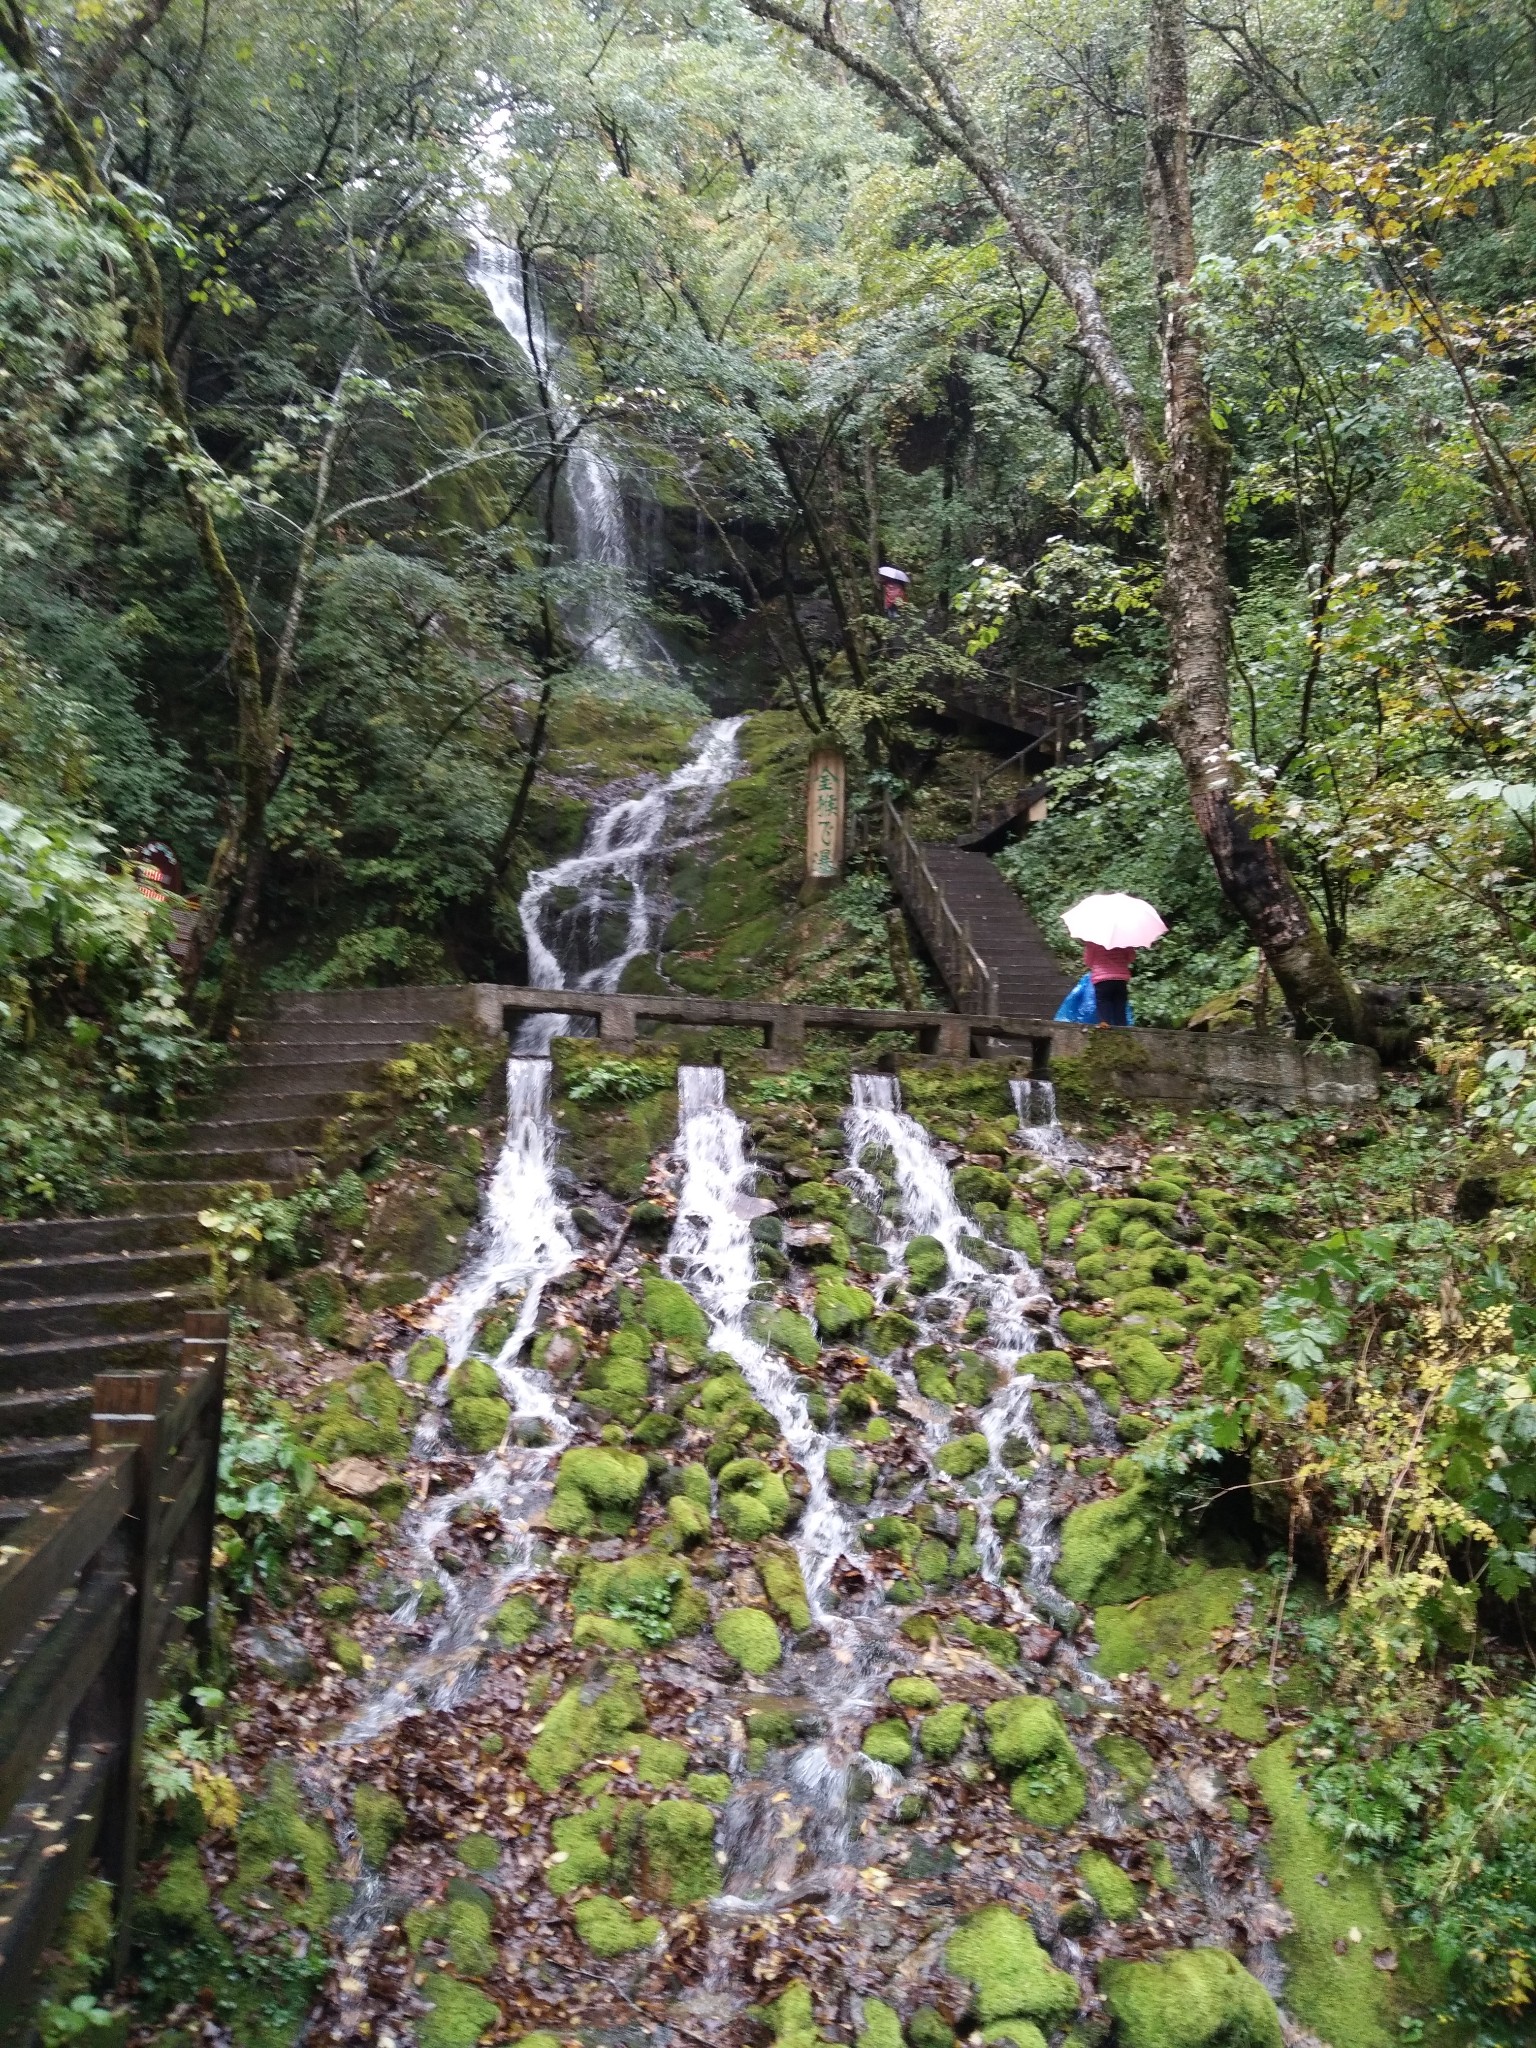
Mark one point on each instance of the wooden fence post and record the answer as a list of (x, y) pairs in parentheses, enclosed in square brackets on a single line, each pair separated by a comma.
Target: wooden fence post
[(205, 1344), (129, 1408)]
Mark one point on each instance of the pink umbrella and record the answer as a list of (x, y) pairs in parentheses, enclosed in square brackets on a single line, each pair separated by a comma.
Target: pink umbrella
[(1114, 920)]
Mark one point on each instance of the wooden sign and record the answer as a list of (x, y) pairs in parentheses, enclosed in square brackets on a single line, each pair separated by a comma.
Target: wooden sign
[(825, 796)]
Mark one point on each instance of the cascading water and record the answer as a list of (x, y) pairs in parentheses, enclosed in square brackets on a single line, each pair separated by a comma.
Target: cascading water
[(612, 636), (526, 1240), (1034, 1099), (587, 918), (712, 1252)]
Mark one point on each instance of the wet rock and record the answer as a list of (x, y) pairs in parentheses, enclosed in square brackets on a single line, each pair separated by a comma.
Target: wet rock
[(1206, 1790), (1038, 1645), (358, 1478), (588, 1222), (277, 1653)]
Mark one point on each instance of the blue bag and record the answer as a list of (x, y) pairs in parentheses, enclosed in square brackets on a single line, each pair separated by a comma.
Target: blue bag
[(1081, 1006)]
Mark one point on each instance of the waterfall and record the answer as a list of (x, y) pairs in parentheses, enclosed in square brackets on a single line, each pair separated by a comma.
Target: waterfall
[(526, 1240), (1035, 1102), (610, 634), (585, 919)]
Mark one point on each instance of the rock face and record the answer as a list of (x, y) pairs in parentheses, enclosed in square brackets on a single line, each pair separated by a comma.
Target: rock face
[(277, 1653)]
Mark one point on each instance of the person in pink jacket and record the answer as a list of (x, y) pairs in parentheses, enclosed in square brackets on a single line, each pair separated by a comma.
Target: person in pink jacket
[(1109, 969)]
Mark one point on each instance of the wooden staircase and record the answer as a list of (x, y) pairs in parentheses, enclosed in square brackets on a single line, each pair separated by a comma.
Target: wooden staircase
[(982, 939), (85, 1295)]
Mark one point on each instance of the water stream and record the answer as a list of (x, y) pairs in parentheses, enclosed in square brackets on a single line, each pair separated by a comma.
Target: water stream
[(588, 917)]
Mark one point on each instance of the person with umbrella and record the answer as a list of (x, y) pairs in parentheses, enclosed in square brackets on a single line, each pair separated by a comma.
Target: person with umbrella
[(1113, 928), (893, 587)]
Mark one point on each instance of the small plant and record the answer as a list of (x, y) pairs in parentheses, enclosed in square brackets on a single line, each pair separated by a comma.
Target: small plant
[(181, 1757), (621, 1080)]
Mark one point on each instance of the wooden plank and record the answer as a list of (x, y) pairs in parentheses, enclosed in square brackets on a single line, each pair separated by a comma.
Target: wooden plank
[(33, 1903), (193, 1393), (48, 1687), (51, 1547), (188, 1477)]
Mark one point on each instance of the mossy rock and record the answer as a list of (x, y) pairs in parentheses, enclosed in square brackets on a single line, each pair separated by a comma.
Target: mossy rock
[(748, 1635), (1000, 1644), (608, 1929), (1116, 1897), (928, 2028), (754, 1501), (1176, 1626), (639, 1590), (1114, 1550), (1061, 1417), (380, 1821), (915, 1691), (890, 1332), (459, 2015), (582, 1854), (881, 2027), (942, 1733), (1021, 1234), (617, 1384), (963, 1455), (1028, 1741), (850, 1476), (688, 1519), (792, 1334), (597, 1490), (1189, 1998), (1011, 1977), (792, 2018), (1050, 1368), (425, 1360), (841, 1307), (1145, 1373), (973, 1184), (927, 1264), (576, 1730), (931, 1369), (470, 1948), (679, 1845), (888, 1742), (1083, 1329), (660, 1762), (931, 1564), (670, 1311), (1059, 1220), (976, 1380), (480, 1421), (784, 1583), (1127, 1757), (516, 1620)]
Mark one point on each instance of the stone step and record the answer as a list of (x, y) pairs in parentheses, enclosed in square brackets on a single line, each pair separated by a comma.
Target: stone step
[(44, 1412), (26, 1368), (68, 1237), (332, 1051), (182, 1198), (85, 1273), (255, 1132), (302, 1076), (435, 1006), (230, 1164), (62, 1318), (33, 1466)]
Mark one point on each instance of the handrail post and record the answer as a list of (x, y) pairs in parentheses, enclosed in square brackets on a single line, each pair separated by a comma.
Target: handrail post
[(129, 1408), (205, 1346)]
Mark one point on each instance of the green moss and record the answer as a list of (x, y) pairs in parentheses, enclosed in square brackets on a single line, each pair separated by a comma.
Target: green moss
[(929, 2029), (693, 1484), (997, 1643), (841, 1307), (670, 1311), (881, 2028), (638, 1590), (791, 1334), (1175, 1627), (754, 1501), (459, 2016), (425, 1360), (1011, 1976), (1145, 1372), (931, 1564), (597, 1490), (469, 1938), (712, 1785), (976, 1379), (1061, 1417), (1021, 1233), (274, 1831), (963, 1455), (1059, 1219), (975, 1184), (1189, 1998), (941, 1734), (784, 1584), (575, 1732), (660, 1762), (1113, 1550), (889, 1332), (1019, 2033), (1112, 1891), (480, 1853), (1336, 1991), (380, 1821), (1028, 1741), (581, 1855), (1049, 1367), (347, 1652), (927, 1264), (849, 1476), (917, 1692), (749, 1635), (1083, 1329), (182, 1896), (690, 1521), (793, 2018), (616, 1384), (608, 1930), (516, 1620), (888, 1742), (1125, 1755), (931, 1367), (680, 1866)]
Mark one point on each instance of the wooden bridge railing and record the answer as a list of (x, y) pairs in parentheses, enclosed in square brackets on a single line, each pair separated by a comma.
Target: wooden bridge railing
[(94, 1588), (966, 973)]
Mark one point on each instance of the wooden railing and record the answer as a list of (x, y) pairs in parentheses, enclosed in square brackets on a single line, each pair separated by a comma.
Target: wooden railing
[(968, 976), (95, 1587)]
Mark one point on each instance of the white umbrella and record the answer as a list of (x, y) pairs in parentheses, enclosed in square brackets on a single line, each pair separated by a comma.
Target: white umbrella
[(1114, 920), (893, 575)]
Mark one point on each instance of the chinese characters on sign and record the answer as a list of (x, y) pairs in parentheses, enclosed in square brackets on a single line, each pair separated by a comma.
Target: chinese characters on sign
[(824, 796)]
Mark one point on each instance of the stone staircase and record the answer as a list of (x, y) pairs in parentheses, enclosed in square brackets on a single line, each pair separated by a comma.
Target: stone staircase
[(83, 1295)]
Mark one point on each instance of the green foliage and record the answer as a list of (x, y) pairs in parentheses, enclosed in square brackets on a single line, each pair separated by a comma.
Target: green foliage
[(614, 1080)]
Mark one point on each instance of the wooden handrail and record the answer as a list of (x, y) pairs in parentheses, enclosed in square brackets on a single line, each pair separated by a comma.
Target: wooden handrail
[(962, 964), (87, 1585)]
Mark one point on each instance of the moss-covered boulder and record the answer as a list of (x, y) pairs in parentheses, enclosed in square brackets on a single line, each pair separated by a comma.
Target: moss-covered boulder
[(927, 1264), (792, 1334), (617, 1383), (975, 1184), (942, 1733), (380, 1821), (1107, 1884), (425, 1360), (679, 1844), (1145, 1372), (888, 1742), (516, 1620), (963, 1455), (841, 1306), (609, 1929), (914, 1691), (458, 2014), (931, 1367), (477, 1408), (754, 1501), (1189, 1998), (890, 1332), (670, 1311), (582, 1725), (597, 1490), (1114, 1550), (640, 1590), (850, 1476), (749, 1636), (881, 2027), (784, 1583), (1028, 1741), (1010, 1975)]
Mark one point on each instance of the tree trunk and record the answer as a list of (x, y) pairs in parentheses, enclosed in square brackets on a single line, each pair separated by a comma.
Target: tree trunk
[(1197, 595)]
